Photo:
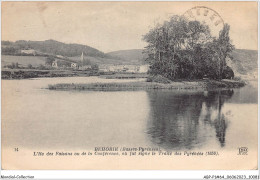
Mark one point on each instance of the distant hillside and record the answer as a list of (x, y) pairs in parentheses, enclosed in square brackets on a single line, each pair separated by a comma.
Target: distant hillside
[(132, 56), (50, 47), (245, 62)]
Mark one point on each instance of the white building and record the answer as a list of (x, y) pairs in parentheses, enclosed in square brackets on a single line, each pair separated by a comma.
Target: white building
[(103, 68), (131, 68), (74, 65), (54, 64), (144, 68), (28, 51), (60, 56)]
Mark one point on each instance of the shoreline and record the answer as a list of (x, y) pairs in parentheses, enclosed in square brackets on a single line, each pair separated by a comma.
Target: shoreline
[(202, 84), (132, 86), (19, 74)]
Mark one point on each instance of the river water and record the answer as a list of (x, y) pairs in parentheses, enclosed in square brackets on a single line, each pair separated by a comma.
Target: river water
[(34, 117)]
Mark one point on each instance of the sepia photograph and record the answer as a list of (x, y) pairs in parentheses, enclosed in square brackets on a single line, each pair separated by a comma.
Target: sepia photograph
[(129, 85)]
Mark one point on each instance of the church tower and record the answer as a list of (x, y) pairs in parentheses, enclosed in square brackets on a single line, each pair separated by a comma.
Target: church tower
[(82, 57)]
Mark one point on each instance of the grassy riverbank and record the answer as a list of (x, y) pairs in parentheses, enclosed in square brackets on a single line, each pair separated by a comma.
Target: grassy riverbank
[(199, 84), (35, 73), (125, 76)]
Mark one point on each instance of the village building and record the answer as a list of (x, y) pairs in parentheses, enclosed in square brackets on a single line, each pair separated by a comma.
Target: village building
[(28, 51), (131, 68), (86, 67), (111, 68), (60, 64), (60, 56), (74, 65), (55, 64), (103, 68), (82, 65), (117, 68)]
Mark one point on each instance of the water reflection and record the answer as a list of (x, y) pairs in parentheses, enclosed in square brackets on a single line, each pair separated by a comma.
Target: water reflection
[(82, 119), (184, 120)]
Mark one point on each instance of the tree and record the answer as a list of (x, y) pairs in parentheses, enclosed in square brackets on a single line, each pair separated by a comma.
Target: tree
[(42, 67), (223, 49), (8, 50), (228, 73), (13, 65), (94, 67), (30, 66), (185, 49), (86, 62), (49, 60), (16, 65), (62, 63)]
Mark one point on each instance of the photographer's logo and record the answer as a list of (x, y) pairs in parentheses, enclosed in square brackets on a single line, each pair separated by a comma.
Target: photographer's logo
[(242, 151)]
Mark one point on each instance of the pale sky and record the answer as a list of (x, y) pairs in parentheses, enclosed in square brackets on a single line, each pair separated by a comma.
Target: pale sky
[(112, 26)]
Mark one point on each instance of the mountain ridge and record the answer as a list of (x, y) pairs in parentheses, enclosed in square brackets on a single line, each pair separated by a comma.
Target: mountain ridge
[(51, 47)]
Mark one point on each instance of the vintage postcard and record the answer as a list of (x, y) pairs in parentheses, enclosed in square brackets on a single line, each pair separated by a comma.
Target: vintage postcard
[(129, 85)]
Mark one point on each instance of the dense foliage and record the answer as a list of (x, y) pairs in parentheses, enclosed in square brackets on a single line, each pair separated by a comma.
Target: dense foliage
[(49, 60), (182, 49)]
